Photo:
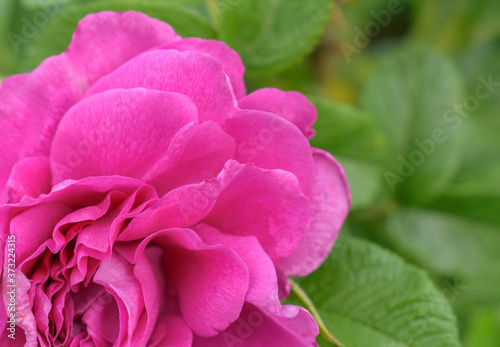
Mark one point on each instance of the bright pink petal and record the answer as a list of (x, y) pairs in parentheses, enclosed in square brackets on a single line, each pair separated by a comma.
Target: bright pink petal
[(181, 207), (293, 106), (137, 298), (330, 201), (271, 142), (31, 177), (294, 327), (242, 200), (101, 320), (171, 331), (32, 104), (263, 285), (146, 273), (197, 152), (196, 75), (120, 132), (211, 281), (24, 314), (34, 226), (230, 60), (267, 204), (34, 222), (3, 308)]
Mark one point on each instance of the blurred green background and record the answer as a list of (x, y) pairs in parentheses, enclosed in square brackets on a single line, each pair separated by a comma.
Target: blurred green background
[(408, 97)]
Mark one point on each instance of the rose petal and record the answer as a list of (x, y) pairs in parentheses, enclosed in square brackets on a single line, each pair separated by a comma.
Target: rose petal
[(294, 327), (101, 320), (120, 132), (263, 285), (330, 201), (267, 204), (24, 316), (32, 104), (126, 283), (230, 60), (31, 177), (211, 281), (293, 106), (171, 331), (196, 75), (271, 142), (197, 152), (242, 200), (34, 226)]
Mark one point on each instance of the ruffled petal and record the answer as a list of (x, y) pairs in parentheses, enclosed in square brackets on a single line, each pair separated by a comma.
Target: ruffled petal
[(211, 281), (25, 318), (242, 200), (197, 152), (263, 285), (136, 297), (293, 106), (196, 75), (34, 226), (330, 201), (270, 142), (267, 204)]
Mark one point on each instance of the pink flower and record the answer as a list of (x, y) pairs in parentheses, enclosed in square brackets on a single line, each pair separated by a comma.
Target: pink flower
[(151, 202)]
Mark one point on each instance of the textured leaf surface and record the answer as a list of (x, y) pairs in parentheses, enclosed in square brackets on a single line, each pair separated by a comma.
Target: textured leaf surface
[(411, 94), (272, 35), (452, 246), (368, 296)]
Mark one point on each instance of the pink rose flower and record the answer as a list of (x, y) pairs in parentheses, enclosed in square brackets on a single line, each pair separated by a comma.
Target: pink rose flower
[(148, 201)]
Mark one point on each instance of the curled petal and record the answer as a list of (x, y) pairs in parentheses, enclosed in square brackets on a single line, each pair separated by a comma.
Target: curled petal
[(270, 142), (242, 200), (330, 201), (293, 106), (136, 297), (267, 204), (211, 281), (197, 152)]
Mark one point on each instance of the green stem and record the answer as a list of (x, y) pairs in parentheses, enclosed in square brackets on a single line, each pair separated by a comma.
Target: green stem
[(308, 304)]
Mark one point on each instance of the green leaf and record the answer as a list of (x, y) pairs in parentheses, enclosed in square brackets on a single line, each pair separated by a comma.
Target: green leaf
[(368, 296), (55, 37), (365, 181), (272, 35), (348, 131), (411, 94), (447, 17), (453, 247), (7, 58), (458, 22), (483, 330)]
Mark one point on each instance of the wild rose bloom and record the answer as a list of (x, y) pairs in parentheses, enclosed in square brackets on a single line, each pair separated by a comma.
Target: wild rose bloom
[(152, 202)]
